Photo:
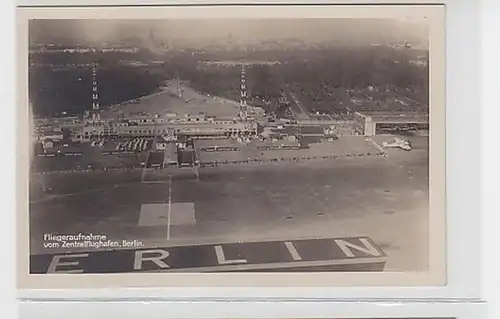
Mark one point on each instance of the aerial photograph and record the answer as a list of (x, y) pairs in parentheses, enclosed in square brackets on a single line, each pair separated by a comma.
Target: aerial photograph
[(229, 145)]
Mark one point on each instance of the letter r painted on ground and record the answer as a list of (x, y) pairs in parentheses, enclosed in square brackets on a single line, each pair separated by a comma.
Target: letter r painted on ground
[(56, 262), (348, 248), (158, 255)]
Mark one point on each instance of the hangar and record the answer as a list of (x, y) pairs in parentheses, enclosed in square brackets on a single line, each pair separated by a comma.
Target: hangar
[(375, 123)]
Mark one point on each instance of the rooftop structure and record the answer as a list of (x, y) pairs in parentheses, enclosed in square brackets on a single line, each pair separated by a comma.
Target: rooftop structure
[(278, 144), (391, 117), (155, 159), (368, 123), (213, 127)]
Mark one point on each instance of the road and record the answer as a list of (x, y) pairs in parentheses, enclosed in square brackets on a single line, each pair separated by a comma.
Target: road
[(296, 107)]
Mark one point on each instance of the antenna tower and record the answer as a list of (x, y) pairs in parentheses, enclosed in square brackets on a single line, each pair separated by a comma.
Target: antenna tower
[(243, 96), (95, 95)]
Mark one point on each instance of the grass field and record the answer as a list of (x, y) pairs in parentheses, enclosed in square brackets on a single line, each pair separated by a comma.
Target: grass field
[(314, 149), (167, 101), (91, 156), (332, 103), (373, 197)]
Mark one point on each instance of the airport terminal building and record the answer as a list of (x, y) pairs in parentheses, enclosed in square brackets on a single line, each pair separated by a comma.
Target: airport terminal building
[(196, 126)]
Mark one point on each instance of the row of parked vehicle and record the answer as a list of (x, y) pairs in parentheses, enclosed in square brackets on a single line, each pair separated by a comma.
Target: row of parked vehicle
[(139, 144)]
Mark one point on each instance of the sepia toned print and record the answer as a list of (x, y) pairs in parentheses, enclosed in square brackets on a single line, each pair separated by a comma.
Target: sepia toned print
[(241, 143)]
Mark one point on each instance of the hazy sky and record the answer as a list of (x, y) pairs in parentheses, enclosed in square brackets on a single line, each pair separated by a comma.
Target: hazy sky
[(244, 30)]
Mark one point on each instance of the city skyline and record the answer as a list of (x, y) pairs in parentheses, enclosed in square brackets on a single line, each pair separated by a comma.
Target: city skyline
[(241, 30)]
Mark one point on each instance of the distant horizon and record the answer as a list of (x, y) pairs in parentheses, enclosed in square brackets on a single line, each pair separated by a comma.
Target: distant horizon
[(241, 30)]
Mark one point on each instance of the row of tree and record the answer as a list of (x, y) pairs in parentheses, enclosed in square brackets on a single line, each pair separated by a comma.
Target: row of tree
[(53, 92), (340, 68)]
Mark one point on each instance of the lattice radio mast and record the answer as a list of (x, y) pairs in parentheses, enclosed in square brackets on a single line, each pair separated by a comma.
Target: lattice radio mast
[(243, 96), (95, 95)]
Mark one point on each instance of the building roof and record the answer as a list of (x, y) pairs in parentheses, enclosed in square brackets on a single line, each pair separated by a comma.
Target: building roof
[(221, 142), (400, 117), (43, 133), (186, 125), (156, 157), (71, 148), (281, 142), (187, 156)]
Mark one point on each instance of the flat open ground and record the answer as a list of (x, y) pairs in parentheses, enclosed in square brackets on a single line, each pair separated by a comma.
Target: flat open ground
[(343, 146), (374, 196), (416, 160), (167, 101), (334, 103), (91, 156)]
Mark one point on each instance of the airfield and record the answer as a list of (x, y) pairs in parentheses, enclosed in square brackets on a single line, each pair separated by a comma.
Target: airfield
[(168, 101), (382, 197)]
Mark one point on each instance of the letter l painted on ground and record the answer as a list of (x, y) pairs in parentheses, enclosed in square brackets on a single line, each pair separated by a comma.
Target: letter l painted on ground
[(221, 258)]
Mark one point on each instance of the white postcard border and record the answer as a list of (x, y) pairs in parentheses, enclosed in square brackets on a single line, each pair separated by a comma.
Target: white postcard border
[(254, 310), (460, 261)]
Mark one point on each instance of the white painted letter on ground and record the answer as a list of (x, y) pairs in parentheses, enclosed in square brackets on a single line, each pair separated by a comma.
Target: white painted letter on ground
[(221, 258), (293, 251), (56, 262), (348, 247), (157, 258)]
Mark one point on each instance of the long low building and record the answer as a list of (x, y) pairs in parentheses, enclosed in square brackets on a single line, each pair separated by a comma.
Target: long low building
[(220, 128), (211, 151), (373, 123)]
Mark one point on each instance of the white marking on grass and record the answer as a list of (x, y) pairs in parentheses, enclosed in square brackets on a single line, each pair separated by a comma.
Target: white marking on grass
[(402, 167), (197, 173), (143, 176), (152, 215), (182, 214), (154, 182), (380, 148), (169, 206)]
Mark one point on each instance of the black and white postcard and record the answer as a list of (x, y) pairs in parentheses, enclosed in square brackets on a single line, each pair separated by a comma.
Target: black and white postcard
[(231, 145)]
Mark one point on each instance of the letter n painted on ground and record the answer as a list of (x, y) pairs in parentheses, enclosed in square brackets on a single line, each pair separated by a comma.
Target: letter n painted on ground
[(349, 248)]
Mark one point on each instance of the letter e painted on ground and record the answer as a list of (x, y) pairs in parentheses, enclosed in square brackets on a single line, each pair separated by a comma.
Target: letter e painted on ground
[(348, 247), (56, 262), (157, 258)]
